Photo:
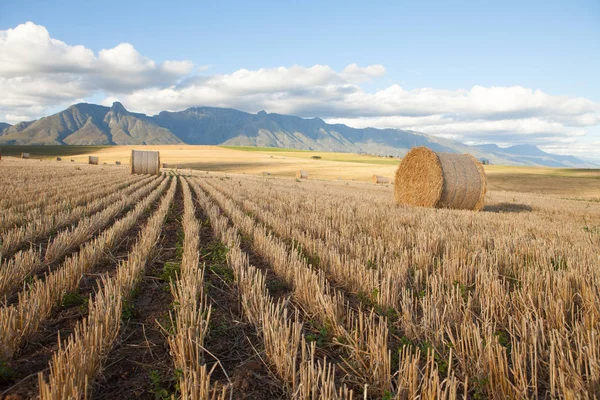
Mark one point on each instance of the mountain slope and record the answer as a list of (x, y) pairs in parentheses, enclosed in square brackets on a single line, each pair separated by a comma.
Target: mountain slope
[(208, 125), (91, 124)]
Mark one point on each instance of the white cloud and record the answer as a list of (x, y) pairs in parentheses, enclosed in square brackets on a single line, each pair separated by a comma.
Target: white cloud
[(38, 72)]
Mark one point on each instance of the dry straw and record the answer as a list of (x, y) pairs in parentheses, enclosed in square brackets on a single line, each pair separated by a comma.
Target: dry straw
[(380, 179), (145, 162), (430, 179), (301, 174), (93, 160)]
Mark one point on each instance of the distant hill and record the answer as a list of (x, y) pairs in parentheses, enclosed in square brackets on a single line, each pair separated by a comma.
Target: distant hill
[(91, 124), (526, 154)]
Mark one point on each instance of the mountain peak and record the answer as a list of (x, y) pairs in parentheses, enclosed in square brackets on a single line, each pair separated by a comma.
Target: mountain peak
[(262, 113), (118, 108)]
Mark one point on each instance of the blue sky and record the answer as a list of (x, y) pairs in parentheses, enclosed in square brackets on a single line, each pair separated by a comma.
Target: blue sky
[(448, 47)]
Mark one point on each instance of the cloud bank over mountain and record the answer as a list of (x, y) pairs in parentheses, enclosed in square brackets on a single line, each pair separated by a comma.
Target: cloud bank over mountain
[(39, 74)]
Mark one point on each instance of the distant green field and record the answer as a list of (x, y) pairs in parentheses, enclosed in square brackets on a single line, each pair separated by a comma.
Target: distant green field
[(265, 149), (325, 156), (48, 151)]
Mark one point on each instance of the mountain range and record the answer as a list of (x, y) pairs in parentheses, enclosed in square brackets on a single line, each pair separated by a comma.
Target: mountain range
[(91, 124)]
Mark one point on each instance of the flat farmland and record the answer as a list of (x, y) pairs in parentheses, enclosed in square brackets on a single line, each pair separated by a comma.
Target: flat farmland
[(225, 285), (572, 183)]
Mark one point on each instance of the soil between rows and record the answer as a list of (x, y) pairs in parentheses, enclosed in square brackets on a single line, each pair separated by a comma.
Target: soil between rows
[(278, 289), (236, 351), (140, 365), (37, 351)]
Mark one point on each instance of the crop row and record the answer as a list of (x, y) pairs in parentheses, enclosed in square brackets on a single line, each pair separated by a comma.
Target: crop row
[(80, 358), (519, 319), (19, 321)]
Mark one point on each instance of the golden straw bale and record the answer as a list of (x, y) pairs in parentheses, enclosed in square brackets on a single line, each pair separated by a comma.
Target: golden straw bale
[(25, 155), (145, 162), (93, 160), (430, 179), (301, 174), (380, 179)]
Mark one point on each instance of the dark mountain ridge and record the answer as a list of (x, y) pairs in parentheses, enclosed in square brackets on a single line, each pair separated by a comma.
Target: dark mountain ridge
[(91, 124)]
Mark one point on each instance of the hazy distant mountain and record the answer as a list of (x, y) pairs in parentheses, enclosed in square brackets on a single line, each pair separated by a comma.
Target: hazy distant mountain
[(209, 125), (91, 124), (527, 154), (3, 126)]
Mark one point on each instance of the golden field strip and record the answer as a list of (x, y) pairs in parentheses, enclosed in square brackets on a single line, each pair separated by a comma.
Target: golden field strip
[(333, 166), (221, 283)]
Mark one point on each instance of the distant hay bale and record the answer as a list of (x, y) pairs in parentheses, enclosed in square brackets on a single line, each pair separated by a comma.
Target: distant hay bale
[(117, 162), (72, 160), (266, 174), (25, 155), (301, 174), (380, 179), (429, 179), (93, 160), (145, 162), (58, 159)]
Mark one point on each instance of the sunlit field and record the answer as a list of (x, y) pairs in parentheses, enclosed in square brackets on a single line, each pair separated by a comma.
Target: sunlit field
[(199, 283), (562, 182)]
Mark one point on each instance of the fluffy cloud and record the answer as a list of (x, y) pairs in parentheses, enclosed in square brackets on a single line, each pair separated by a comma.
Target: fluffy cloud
[(38, 72)]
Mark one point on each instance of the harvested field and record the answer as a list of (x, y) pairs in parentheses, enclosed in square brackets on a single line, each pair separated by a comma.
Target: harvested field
[(217, 285)]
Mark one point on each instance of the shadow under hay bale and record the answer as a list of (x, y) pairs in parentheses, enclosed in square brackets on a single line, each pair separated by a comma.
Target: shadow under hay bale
[(430, 179), (508, 208)]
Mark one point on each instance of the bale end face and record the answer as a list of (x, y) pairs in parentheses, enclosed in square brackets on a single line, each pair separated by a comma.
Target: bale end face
[(419, 179)]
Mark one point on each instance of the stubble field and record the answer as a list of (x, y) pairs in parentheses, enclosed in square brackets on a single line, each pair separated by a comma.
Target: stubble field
[(200, 284)]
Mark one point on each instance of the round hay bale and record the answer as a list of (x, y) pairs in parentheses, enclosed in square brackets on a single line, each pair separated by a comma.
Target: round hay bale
[(266, 173), (145, 162), (429, 179), (117, 162), (58, 159), (93, 160), (25, 155), (380, 179), (301, 174)]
